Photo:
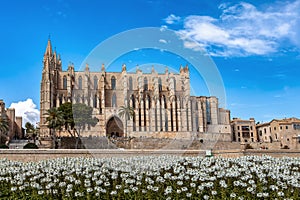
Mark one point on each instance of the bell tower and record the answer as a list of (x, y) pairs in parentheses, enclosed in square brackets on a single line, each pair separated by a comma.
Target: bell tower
[(46, 88)]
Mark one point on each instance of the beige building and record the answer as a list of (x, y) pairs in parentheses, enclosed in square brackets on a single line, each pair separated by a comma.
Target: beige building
[(286, 131), (161, 101), (243, 130), (15, 122)]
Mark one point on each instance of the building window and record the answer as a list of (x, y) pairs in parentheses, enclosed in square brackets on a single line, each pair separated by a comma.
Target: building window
[(280, 127), (238, 127), (260, 133), (159, 85), (80, 83), (65, 83), (130, 84), (113, 83), (95, 82), (95, 101), (114, 100), (286, 127), (265, 130), (274, 128), (145, 84)]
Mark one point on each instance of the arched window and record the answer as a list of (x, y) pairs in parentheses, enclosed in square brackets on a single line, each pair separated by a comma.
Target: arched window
[(95, 101), (65, 83), (159, 85), (114, 100), (174, 84), (145, 83), (95, 83), (133, 101), (80, 83), (130, 83), (113, 83)]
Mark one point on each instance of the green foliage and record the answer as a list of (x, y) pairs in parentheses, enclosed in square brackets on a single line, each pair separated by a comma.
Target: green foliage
[(54, 118), (4, 127), (248, 146), (82, 115), (30, 146), (3, 146), (67, 112), (126, 112)]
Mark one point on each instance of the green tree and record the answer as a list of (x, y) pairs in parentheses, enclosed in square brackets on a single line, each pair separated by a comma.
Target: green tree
[(67, 112), (4, 126), (30, 130), (82, 116), (55, 121), (126, 112)]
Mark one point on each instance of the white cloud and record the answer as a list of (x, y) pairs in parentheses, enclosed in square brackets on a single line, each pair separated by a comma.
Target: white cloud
[(242, 29), (163, 41), (171, 19), (27, 109)]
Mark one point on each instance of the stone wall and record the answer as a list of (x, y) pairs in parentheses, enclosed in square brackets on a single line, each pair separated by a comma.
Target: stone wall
[(44, 154)]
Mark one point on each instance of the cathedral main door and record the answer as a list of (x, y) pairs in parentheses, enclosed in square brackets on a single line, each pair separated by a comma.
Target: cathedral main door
[(114, 127)]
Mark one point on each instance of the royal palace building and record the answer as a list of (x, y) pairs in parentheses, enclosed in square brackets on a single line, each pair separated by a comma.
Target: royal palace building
[(161, 102)]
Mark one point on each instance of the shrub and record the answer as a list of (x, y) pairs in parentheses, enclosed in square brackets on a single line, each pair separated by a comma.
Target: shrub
[(248, 146), (285, 147), (3, 146), (30, 146)]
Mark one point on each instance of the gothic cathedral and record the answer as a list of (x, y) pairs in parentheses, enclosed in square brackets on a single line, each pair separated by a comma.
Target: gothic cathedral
[(161, 102)]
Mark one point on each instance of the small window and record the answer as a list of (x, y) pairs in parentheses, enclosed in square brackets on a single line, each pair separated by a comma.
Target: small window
[(286, 127), (280, 127), (113, 83), (145, 84), (95, 82), (159, 85), (65, 83), (80, 83), (130, 84), (114, 100), (274, 128)]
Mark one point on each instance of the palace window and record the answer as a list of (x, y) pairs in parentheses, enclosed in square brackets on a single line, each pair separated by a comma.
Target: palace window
[(95, 101), (114, 100), (130, 84), (145, 84), (95, 82), (80, 83), (65, 83), (113, 83), (159, 85)]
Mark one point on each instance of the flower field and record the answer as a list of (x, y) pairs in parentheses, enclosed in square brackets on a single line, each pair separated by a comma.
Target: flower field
[(152, 177)]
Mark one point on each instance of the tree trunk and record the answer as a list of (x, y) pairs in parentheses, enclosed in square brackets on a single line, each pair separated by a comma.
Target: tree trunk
[(77, 138)]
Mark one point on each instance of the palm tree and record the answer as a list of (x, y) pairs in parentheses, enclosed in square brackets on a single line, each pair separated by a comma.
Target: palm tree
[(4, 127), (30, 131), (55, 121), (127, 112)]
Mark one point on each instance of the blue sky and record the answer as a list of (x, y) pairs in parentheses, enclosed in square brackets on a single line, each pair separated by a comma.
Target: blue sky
[(254, 44)]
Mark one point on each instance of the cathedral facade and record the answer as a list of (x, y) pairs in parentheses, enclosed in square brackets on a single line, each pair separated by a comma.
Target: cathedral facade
[(161, 102)]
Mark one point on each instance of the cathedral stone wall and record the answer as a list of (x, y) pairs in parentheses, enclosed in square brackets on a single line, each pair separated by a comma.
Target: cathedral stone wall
[(161, 102)]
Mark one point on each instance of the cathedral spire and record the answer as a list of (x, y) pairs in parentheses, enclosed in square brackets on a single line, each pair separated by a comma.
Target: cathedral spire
[(48, 48)]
